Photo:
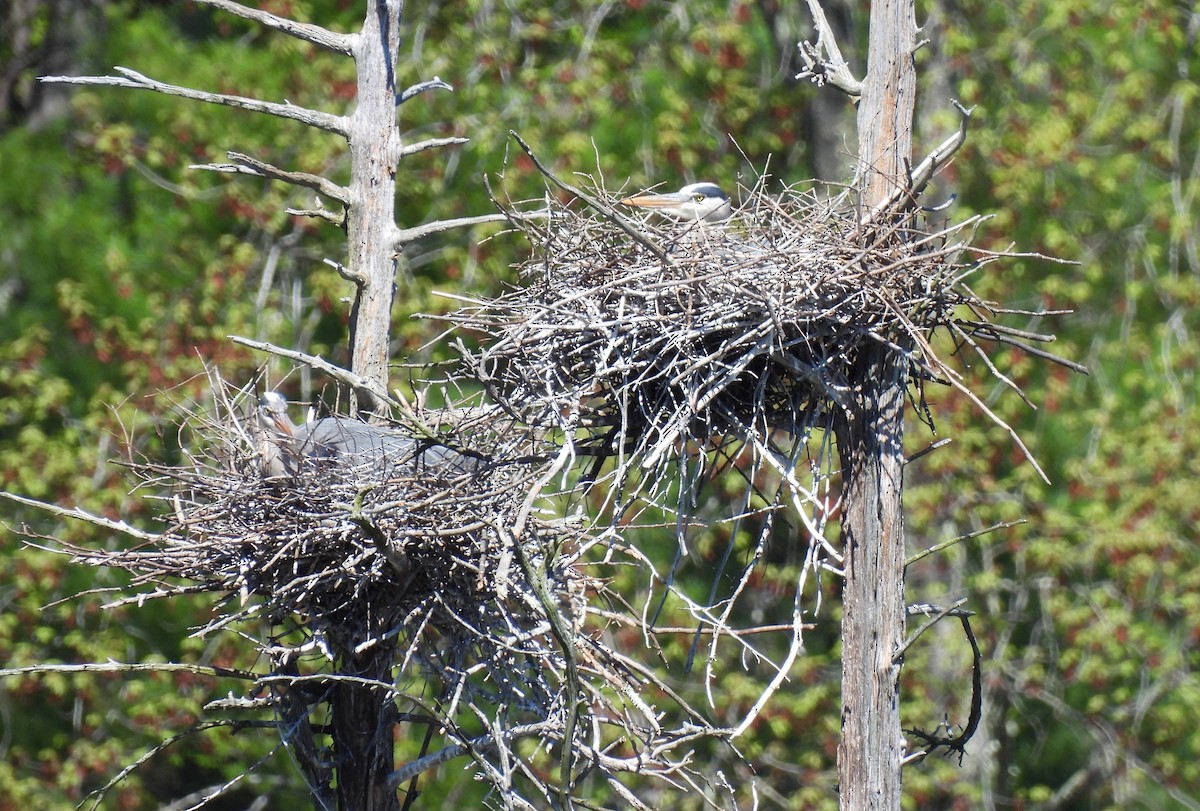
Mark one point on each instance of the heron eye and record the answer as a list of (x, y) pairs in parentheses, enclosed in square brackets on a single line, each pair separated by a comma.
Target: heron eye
[(699, 198)]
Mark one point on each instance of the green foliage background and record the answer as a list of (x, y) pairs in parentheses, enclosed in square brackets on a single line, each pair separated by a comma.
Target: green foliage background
[(122, 273)]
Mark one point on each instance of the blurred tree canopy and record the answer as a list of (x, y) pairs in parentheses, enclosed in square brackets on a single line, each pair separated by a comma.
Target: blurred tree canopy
[(123, 272)]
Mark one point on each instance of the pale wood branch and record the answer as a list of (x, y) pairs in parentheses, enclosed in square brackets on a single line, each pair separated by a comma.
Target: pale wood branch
[(435, 83), (136, 81), (130, 667), (320, 364), (321, 37), (82, 515), (246, 165), (823, 62), (338, 218), (611, 214), (407, 235), (920, 176), (432, 143)]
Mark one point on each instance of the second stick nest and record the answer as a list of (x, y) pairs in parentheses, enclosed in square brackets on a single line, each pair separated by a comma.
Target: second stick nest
[(654, 334)]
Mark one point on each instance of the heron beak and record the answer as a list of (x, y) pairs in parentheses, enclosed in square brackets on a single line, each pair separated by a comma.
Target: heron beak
[(656, 200)]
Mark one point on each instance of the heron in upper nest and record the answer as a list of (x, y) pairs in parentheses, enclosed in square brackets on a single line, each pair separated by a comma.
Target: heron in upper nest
[(374, 448), (703, 201)]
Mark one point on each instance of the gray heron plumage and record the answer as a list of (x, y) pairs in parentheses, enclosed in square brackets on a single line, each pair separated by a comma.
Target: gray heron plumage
[(372, 448), (703, 201)]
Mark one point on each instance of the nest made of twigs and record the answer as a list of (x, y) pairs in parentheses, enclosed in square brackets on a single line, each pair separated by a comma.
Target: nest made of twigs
[(656, 335), (349, 548), (451, 572)]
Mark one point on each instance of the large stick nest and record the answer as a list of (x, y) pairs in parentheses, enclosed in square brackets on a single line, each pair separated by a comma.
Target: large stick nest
[(665, 334), (350, 546), (448, 573)]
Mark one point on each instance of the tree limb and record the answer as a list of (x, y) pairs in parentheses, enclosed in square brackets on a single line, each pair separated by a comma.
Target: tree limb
[(320, 364), (432, 143), (435, 83), (829, 68), (130, 667), (336, 217), (920, 176), (246, 165), (321, 37), (82, 515), (608, 211), (136, 81), (936, 159), (407, 235)]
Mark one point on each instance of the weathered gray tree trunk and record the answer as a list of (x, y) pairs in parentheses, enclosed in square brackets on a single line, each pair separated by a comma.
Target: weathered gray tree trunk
[(374, 142), (870, 440), (364, 717)]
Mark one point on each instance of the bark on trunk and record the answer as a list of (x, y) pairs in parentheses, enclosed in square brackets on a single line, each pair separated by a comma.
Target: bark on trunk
[(364, 717), (873, 597), (371, 218), (870, 439)]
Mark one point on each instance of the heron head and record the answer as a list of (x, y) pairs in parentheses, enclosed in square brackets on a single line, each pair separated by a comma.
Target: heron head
[(272, 414), (695, 201)]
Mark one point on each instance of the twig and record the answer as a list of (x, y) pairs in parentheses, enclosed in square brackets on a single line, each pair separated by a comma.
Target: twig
[(904, 197), (609, 213), (421, 87), (970, 535), (131, 667), (823, 62), (246, 165), (82, 515), (338, 43), (938, 612), (136, 81), (431, 143), (321, 365)]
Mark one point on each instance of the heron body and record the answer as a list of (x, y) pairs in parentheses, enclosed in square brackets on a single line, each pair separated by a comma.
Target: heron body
[(703, 201), (372, 448)]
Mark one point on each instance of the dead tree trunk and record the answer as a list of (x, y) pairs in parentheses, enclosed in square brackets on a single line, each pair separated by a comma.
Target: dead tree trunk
[(374, 142), (361, 702), (870, 442)]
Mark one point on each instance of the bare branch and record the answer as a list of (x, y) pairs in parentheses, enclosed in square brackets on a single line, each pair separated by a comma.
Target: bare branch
[(407, 235), (610, 214), (136, 81), (954, 609), (420, 87), (83, 515), (321, 37), (338, 218), (320, 364), (432, 143), (823, 62), (947, 544), (130, 667), (246, 165), (903, 197), (936, 159)]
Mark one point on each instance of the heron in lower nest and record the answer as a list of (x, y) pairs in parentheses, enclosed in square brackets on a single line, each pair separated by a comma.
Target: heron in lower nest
[(372, 448), (702, 201)]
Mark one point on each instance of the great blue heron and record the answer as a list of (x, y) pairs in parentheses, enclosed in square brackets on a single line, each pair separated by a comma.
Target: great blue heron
[(371, 449), (695, 201)]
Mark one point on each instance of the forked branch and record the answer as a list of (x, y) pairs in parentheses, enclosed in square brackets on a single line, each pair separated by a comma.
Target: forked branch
[(246, 165), (823, 62)]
